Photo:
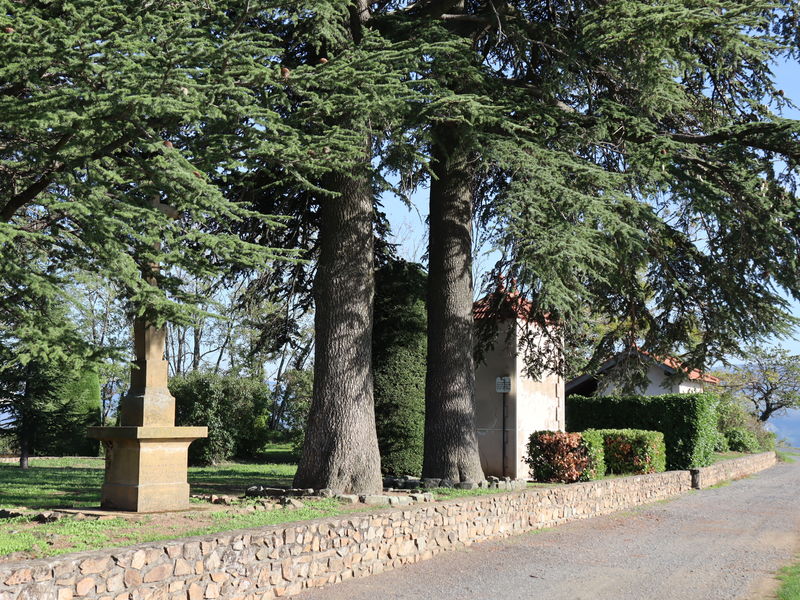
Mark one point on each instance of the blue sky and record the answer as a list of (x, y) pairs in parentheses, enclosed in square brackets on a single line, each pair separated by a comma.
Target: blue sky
[(408, 226)]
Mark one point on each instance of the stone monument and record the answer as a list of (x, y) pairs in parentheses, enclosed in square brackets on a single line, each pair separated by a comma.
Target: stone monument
[(147, 456)]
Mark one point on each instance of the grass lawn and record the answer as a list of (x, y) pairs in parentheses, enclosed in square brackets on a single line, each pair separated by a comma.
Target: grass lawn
[(720, 456), (73, 482)]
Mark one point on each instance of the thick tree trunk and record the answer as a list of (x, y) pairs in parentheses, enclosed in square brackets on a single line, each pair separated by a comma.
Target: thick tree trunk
[(341, 447), (451, 441)]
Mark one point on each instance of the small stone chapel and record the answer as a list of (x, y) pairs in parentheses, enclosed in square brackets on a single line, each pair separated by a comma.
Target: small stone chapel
[(510, 405)]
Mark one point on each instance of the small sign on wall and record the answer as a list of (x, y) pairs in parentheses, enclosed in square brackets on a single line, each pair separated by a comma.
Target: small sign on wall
[(502, 385)]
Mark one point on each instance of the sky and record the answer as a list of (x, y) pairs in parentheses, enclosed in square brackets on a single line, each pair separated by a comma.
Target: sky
[(408, 227)]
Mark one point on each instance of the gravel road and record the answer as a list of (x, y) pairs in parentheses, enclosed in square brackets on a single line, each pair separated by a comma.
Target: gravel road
[(720, 543)]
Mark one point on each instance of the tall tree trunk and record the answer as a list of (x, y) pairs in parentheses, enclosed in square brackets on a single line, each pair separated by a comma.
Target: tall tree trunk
[(341, 447), (451, 441)]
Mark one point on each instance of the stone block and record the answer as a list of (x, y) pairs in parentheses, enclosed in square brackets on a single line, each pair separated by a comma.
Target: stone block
[(374, 499), (94, 565), (347, 498), (85, 586)]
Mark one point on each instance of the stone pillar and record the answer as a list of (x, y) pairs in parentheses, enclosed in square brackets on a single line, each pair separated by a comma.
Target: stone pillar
[(147, 456)]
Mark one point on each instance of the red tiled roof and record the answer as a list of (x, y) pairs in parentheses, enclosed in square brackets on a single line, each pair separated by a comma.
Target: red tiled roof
[(503, 305), (677, 365), (694, 374)]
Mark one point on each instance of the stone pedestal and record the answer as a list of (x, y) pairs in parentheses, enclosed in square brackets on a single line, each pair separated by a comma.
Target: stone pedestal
[(147, 456)]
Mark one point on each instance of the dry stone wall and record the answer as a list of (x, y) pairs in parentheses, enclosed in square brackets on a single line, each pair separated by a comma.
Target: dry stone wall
[(735, 468), (278, 561)]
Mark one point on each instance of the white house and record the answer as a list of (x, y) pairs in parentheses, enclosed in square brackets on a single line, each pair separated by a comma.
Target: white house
[(505, 420), (660, 377)]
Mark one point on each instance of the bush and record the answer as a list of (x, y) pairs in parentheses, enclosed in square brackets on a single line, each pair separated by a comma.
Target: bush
[(742, 440), (688, 421), (633, 450), (399, 347), (767, 440), (595, 447), (721, 443), (564, 457), (234, 409), (733, 415)]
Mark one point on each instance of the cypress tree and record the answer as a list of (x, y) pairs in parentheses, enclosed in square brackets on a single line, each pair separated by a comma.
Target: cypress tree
[(399, 350)]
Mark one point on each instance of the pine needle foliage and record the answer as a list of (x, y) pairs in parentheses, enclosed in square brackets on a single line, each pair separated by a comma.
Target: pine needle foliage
[(111, 112), (635, 163)]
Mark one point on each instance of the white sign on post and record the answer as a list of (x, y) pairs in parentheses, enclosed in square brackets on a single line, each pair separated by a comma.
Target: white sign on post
[(502, 385)]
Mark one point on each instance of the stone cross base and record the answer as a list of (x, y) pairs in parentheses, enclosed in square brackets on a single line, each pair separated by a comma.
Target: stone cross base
[(146, 466)]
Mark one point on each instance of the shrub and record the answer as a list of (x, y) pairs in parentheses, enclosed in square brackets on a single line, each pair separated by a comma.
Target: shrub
[(767, 440), (633, 450), (733, 415), (688, 421), (399, 347), (742, 440), (593, 440), (564, 457), (721, 443), (233, 408)]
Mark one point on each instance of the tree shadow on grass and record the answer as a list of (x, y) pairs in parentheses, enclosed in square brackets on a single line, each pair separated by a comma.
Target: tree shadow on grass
[(49, 487)]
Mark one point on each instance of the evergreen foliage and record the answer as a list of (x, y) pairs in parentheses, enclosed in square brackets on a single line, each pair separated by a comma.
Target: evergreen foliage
[(234, 409), (110, 108), (688, 421), (658, 151), (399, 351), (75, 407), (47, 402)]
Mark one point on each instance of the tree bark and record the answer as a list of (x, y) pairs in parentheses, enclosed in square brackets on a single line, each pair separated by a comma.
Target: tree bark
[(451, 441), (341, 447)]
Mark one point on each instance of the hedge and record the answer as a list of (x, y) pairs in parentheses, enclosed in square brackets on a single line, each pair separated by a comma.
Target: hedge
[(632, 450), (688, 421), (399, 349), (556, 456)]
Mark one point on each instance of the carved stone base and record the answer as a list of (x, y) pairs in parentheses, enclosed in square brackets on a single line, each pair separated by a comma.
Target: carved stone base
[(146, 467)]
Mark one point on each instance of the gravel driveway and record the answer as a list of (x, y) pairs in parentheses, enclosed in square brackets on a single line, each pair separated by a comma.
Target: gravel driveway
[(717, 543)]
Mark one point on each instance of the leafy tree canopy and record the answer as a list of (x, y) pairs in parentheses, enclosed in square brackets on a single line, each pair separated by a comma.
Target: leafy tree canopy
[(768, 381)]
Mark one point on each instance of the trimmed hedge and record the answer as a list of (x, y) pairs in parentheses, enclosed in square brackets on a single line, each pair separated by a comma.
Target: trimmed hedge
[(632, 450), (688, 421), (399, 350), (556, 456)]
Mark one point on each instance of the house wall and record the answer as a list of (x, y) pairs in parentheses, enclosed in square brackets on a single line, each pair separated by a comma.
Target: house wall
[(658, 384), (532, 405), (498, 362), (540, 405)]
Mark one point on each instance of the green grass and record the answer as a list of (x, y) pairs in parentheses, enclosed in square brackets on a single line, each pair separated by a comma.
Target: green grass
[(52, 483), (235, 478), (720, 456), (790, 582), (277, 454), (71, 482), (71, 535), (786, 457)]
